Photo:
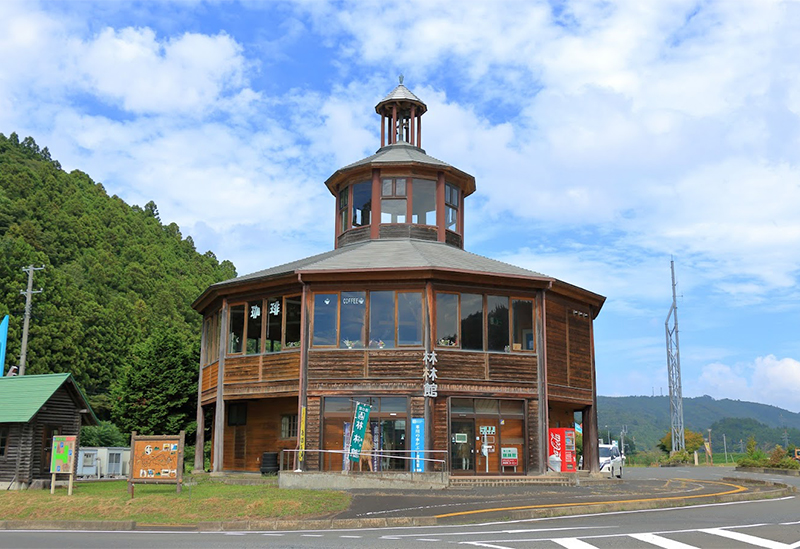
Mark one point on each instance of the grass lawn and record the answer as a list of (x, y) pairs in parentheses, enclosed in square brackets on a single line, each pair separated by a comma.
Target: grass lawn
[(207, 500)]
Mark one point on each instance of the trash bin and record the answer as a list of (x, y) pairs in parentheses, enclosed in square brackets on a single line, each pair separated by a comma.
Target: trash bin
[(554, 462), (269, 463)]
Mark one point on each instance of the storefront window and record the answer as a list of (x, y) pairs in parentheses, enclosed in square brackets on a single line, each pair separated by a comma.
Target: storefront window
[(253, 346), (387, 428), (498, 322), (325, 319), (423, 203), (446, 320), (472, 322), (409, 318), (522, 327), (236, 330), (354, 307)]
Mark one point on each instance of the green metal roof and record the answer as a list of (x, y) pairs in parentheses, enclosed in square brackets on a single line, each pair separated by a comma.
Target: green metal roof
[(22, 396)]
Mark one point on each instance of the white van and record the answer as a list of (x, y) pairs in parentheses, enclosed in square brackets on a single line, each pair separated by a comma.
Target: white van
[(611, 460)]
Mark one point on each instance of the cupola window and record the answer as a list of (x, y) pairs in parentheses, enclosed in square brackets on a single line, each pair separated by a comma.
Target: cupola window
[(423, 202), (362, 203), (451, 207), (393, 201)]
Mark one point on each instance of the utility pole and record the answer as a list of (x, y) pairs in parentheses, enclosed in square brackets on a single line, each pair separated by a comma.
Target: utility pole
[(674, 372), (26, 322), (725, 447)]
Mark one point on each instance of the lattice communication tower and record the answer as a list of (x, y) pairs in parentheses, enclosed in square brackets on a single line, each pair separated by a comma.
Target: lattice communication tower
[(674, 371)]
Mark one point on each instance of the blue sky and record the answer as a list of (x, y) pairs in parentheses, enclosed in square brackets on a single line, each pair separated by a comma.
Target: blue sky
[(605, 137)]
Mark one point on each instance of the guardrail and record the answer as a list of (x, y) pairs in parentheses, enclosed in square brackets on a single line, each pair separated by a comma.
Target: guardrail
[(387, 461)]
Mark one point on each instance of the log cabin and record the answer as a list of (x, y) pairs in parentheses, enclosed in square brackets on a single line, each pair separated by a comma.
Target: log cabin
[(479, 358)]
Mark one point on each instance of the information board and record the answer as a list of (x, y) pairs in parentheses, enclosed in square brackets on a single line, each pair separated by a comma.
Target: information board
[(62, 459), (156, 459)]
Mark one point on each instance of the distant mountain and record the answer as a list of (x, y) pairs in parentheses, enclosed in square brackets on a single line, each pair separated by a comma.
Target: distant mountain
[(648, 420)]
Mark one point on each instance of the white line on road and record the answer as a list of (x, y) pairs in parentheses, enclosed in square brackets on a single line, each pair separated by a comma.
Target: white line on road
[(746, 538), (573, 543), (661, 541)]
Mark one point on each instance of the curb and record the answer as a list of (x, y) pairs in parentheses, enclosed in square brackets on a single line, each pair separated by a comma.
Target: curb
[(348, 524)]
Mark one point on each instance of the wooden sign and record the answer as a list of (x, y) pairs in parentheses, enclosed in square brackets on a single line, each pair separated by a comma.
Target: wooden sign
[(156, 459)]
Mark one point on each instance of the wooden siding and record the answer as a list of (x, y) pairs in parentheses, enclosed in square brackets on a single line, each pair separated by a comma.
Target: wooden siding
[(417, 407), (209, 388), (242, 368), (280, 366), (533, 438), (395, 364), (260, 434), (354, 235), (454, 239), (460, 365), (441, 426), (265, 388), (313, 432), (335, 364), (556, 325), (521, 369), (400, 230), (570, 371), (580, 353)]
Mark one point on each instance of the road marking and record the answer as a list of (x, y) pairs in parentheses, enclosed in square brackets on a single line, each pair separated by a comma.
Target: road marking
[(482, 544), (573, 543), (746, 538), (428, 539), (736, 490), (661, 541), (312, 535), (351, 537)]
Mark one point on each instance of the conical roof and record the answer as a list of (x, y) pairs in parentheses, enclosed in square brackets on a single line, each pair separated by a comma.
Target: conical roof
[(401, 93)]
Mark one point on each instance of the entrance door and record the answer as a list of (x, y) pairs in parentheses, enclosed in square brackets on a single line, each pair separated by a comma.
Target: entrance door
[(48, 433), (462, 446), (487, 445)]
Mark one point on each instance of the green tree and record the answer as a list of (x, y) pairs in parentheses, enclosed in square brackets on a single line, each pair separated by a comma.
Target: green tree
[(105, 434), (157, 392), (692, 440)]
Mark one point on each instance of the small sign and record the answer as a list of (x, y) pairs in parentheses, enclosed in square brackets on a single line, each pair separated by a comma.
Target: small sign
[(508, 457), (488, 429), (418, 444), (461, 438), (63, 456)]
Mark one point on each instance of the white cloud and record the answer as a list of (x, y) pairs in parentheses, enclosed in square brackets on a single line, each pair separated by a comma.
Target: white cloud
[(768, 379)]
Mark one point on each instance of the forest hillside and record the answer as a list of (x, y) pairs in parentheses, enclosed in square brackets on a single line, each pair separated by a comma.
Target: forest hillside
[(116, 280), (648, 419)]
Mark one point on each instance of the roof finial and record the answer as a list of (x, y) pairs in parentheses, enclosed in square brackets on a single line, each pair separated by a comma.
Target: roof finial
[(401, 79)]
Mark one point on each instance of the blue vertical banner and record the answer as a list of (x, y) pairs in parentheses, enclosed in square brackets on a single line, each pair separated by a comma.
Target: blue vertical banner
[(3, 338), (417, 444)]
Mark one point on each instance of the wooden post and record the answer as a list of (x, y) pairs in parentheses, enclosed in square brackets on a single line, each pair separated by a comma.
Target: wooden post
[(52, 483), (130, 473), (71, 480), (219, 415)]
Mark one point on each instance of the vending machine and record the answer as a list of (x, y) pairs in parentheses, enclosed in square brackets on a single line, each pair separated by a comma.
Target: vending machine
[(561, 443)]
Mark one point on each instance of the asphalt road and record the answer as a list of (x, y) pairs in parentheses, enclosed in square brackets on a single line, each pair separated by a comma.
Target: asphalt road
[(748, 524)]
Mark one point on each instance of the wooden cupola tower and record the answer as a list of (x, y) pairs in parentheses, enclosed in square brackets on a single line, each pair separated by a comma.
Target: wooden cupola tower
[(400, 191)]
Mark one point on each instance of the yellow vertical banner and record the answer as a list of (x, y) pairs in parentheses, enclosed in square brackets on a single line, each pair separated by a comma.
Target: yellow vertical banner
[(302, 434)]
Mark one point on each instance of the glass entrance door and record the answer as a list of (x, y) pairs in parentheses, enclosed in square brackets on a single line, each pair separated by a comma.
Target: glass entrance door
[(462, 446), (486, 441)]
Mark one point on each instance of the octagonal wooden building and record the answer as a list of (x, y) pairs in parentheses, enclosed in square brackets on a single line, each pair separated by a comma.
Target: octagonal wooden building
[(463, 359)]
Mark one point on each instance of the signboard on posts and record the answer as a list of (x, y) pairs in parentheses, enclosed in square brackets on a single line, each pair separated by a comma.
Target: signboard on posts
[(156, 460), (360, 423)]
